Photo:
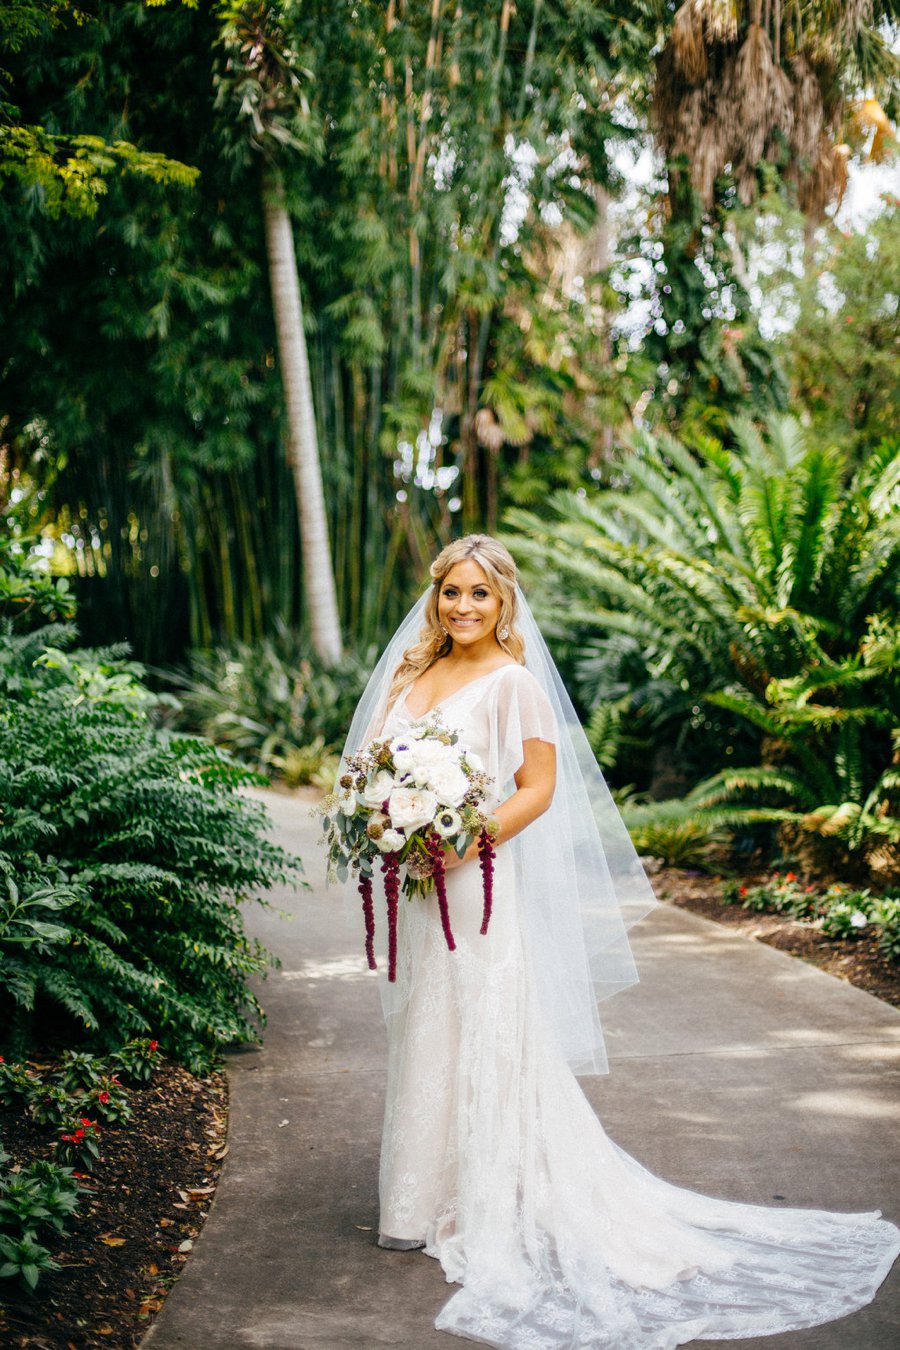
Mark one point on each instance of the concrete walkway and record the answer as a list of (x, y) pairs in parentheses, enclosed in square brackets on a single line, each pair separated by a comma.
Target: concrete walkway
[(736, 1070)]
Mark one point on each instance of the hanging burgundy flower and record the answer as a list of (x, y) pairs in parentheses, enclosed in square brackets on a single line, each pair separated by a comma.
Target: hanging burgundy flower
[(486, 863), (435, 847), (390, 866), (365, 890)]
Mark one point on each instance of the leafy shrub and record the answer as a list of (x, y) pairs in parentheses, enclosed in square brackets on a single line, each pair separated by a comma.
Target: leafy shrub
[(841, 911), (272, 704), (763, 583), (125, 853), (886, 914), (681, 843), (137, 844)]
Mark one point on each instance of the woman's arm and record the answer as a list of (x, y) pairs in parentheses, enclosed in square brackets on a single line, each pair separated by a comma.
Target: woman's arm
[(535, 782)]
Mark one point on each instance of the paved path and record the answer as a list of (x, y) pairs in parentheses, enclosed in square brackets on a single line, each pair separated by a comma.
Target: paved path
[(736, 1070)]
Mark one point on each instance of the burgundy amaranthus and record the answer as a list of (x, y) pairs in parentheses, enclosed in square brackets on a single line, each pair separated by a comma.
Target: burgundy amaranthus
[(390, 866), (486, 863), (365, 890), (436, 854)]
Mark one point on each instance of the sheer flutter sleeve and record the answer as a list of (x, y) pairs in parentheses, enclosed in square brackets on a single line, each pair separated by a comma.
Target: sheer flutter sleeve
[(523, 713)]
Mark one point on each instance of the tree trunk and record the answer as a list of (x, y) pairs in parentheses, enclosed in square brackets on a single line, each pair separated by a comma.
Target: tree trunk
[(302, 447)]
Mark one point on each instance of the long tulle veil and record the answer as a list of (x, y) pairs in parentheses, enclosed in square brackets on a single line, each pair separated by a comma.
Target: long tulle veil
[(581, 883)]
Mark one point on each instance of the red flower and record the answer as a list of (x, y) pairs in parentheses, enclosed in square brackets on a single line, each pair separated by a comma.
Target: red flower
[(790, 876), (436, 853), (103, 1097), (365, 890), (79, 1134), (153, 1045), (66, 1137), (390, 866), (742, 890), (486, 863)]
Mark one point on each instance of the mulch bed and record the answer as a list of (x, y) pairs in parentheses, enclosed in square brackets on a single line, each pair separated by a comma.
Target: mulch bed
[(856, 960), (126, 1244)]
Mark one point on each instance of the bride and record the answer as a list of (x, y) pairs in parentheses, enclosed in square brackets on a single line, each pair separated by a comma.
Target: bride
[(492, 1159)]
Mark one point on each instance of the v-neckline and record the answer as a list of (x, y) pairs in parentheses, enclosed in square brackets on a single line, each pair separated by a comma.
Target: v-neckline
[(417, 717)]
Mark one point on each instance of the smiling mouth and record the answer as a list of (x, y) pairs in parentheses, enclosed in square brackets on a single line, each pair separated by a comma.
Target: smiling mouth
[(465, 623)]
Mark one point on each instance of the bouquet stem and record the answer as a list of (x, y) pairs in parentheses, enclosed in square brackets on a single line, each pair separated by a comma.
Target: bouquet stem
[(486, 863), (390, 866), (365, 890), (436, 853)]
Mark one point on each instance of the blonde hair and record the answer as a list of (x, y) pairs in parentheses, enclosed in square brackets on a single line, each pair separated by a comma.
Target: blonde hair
[(500, 569)]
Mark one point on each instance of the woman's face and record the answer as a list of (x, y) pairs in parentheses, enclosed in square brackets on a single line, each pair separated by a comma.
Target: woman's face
[(467, 607)]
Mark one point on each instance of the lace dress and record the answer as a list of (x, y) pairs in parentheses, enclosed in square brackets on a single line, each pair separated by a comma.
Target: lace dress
[(493, 1156)]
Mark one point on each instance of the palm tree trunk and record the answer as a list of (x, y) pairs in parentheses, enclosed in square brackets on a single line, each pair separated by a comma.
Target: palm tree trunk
[(302, 447)]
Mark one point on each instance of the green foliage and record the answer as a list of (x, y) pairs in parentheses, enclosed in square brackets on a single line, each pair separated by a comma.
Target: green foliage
[(125, 852), (26, 1258), (55, 172), (137, 1059), (762, 582), (34, 1199), (842, 912), (701, 357), (842, 350), (677, 843), (78, 1142), (423, 310), (29, 594), (887, 916), (272, 703)]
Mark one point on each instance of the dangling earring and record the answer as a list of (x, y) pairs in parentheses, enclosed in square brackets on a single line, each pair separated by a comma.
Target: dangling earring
[(443, 630), (503, 634)]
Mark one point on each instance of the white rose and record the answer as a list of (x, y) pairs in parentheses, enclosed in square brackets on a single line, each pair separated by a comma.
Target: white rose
[(475, 762), (449, 784), (391, 841), (411, 808), (378, 789), (428, 757)]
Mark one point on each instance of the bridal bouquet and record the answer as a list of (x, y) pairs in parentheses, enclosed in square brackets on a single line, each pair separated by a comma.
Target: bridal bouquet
[(398, 804)]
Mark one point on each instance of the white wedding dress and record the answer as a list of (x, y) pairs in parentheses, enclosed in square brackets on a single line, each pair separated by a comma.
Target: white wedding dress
[(493, 1156)]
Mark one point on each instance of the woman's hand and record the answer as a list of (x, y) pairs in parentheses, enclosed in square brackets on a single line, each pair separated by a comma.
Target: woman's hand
[(452, 858)]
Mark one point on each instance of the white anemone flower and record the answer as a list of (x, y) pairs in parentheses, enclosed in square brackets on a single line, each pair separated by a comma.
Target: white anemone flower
[(447, 822)]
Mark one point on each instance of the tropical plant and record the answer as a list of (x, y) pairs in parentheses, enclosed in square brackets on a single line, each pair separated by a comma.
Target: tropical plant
[(451, 368), (125, 852), (739, 84), (762, 582), (271, 703), (154, 849)]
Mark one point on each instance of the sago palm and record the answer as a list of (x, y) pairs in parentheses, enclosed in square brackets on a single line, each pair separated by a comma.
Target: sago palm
[(762, 582)]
